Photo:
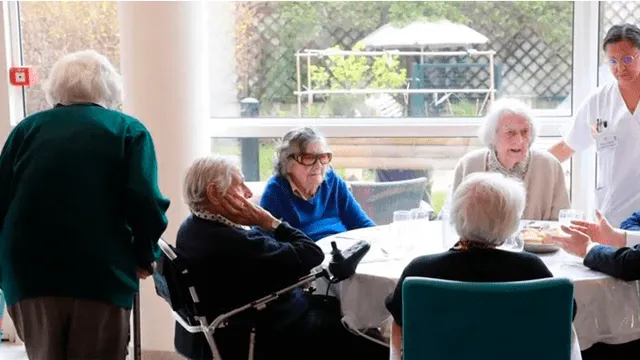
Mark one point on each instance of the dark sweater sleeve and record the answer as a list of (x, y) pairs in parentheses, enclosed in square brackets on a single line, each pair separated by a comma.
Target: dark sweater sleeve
[(7, 160), (288, 253), (632, 222), (623, 263), (393, 302), (146, 206), (351, 213)]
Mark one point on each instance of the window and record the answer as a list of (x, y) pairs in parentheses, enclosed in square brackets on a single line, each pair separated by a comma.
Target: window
[(51, 29), (283, 51), (372, 159)]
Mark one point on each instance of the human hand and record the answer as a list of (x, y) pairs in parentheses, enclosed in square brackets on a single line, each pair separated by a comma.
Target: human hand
[(144, 273), (575, 243), (600, 231), (242, 211)]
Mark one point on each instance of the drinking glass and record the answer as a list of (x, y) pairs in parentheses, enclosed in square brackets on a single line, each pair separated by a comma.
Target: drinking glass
[(420, 214), (399, 218), (566, 215), (399, 229)]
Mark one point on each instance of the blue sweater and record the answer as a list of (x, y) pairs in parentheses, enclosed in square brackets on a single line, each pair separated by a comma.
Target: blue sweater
[(331, 211), (631, 223)]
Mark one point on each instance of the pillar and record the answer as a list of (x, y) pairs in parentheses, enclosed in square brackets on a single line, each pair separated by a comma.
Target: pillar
[(164, 63), (222, 65)]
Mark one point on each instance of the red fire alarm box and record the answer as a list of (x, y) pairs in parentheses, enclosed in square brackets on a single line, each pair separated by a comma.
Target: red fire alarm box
[(22, 76)]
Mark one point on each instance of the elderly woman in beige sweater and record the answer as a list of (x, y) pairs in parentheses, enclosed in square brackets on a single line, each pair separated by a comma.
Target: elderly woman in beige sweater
[(508, 131)]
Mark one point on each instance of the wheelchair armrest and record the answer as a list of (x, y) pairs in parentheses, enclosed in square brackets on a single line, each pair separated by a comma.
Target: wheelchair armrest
[(262, 302)]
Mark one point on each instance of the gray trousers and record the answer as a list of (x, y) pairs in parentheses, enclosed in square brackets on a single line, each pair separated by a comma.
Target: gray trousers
[(60, 328)]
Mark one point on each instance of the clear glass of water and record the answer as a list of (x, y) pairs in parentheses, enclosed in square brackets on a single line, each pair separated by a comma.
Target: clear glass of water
[(399, 229), (420, 214), (401, 215), (565, 216), (419, 225)]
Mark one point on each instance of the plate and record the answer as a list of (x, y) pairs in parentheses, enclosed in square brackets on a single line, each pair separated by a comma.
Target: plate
[(541, 248), (534, 229)]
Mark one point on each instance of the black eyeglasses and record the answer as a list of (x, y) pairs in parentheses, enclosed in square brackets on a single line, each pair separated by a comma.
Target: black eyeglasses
[(310, 159)]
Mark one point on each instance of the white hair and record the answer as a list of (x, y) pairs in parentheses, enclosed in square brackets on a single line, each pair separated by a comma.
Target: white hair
[(296, 140), (487, 207), (84, 76), (217, 170), (489, 128)]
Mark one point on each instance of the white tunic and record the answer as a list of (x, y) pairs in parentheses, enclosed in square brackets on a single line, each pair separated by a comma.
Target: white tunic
[(605, 121)]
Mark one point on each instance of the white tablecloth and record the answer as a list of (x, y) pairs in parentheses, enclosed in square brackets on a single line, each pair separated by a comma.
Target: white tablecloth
[(608, 309)]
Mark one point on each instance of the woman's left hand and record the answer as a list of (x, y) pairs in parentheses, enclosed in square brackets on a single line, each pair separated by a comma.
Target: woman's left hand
[(143, 274), (576, 243)]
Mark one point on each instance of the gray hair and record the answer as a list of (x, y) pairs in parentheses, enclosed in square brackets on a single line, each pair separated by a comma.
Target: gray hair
[(204, 171), (294, 141), (617, 33), (84, 76), (487, 207), (489, 128)]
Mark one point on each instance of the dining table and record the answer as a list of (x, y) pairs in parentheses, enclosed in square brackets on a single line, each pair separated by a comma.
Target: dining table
[(608, 309)]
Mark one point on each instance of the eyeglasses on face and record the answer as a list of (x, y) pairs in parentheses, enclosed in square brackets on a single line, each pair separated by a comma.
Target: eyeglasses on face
[(307, 159), (625, 60)]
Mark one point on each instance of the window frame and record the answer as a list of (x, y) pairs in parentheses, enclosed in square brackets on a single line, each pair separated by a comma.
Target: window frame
[(11, 101)]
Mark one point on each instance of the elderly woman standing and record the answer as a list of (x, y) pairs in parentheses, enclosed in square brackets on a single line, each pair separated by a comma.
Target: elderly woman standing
[(306, 193), (80, 215), (508, 132), (485, 210)]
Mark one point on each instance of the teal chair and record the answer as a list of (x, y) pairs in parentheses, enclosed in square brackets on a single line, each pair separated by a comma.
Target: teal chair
[(451, 320)]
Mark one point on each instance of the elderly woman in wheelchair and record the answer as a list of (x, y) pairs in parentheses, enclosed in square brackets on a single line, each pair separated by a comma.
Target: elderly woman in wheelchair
[(237, 252)]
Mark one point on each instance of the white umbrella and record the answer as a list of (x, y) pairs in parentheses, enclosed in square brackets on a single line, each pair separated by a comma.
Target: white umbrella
[(420, 34)]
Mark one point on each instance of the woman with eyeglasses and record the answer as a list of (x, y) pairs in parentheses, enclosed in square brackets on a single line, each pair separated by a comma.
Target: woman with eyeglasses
[(610, 120), (306, 192)]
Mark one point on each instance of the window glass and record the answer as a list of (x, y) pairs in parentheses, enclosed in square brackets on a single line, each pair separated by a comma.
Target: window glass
[(532, 42), (51, 29)]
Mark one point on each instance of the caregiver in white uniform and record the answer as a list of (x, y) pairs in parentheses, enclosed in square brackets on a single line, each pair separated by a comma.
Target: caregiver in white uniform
[(610, 120)]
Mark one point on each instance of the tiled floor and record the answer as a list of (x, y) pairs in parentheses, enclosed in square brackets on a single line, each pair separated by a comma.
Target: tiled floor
[(9, 351)]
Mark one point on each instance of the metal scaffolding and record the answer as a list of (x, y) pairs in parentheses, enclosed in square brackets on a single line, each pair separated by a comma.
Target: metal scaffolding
[(312, 53)]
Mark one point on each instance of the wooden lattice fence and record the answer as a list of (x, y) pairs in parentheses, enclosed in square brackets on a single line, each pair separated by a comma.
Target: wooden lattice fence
[(529, 67)]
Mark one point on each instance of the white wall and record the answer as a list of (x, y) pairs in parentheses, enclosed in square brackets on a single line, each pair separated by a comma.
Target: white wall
[(165, 66)]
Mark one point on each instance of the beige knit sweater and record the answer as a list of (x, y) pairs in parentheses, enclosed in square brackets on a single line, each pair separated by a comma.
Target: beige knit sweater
[(544, 180)]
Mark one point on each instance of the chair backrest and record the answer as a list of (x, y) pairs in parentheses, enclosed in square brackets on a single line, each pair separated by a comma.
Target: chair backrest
[(451, 320), (171, 279), (380, 199)]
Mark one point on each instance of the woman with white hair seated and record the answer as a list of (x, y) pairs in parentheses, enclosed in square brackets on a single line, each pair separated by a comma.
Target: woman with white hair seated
[(485, 210), (80, 215), (508, 131), (306, 192)]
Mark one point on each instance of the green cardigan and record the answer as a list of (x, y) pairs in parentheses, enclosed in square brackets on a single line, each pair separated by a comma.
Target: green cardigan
[(80, 208)]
